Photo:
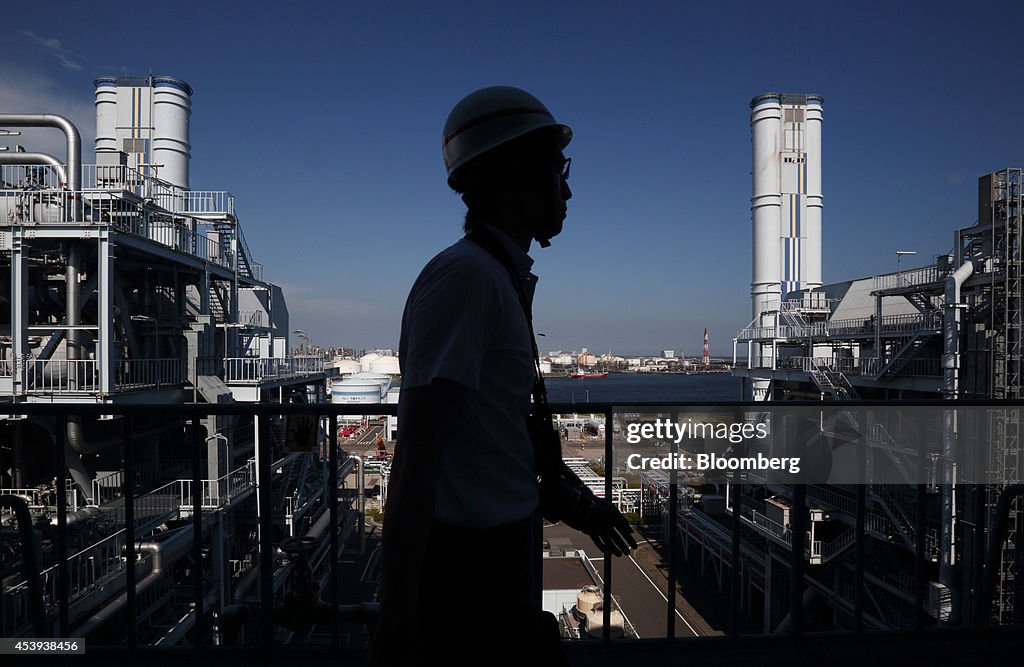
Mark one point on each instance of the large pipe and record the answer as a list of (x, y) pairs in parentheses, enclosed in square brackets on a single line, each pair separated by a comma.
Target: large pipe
[(74, 427), (30, 560), (74, 140), (361, 481), (950, 388), (951, 330), (36, 158), (163, 555)]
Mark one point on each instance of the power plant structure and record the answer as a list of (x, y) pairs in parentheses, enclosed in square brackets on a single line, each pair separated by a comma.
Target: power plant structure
[(786, 202), (122, 286), (948, 330)]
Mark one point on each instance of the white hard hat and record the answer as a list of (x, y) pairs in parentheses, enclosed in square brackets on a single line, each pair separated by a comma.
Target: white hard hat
[(490, 117)]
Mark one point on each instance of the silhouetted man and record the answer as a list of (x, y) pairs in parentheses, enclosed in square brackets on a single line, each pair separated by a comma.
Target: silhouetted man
[(461, 530)]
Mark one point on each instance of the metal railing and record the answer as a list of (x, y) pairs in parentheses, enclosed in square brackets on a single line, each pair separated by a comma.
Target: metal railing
[(29, 177), (252, 318), (253, 370), (927, 367), (107, 488), (221, 491), (210, 202), (82, 574), (147, 373), (817, 330), (129, 201), (812, 548), (74, 376), (904, 324), (61, 376), (908, 278), (34, 497)]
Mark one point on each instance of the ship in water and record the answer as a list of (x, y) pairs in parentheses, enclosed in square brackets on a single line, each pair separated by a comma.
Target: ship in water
[(581, 374), (126, 286)]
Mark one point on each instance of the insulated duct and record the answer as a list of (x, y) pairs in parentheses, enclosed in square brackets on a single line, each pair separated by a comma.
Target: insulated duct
[(74, 140), (163, 555), (74, 428), (950, 388)]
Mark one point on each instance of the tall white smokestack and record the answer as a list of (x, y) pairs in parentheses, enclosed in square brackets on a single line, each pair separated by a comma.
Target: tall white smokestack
[(786, 202), (785, 205)]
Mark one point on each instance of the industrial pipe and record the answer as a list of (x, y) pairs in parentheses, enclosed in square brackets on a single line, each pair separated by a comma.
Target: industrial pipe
[(71, 299), (361, 481), (950, 387), (36, 158), (163, 555), (74, 140), (30, 559), (951, 329)]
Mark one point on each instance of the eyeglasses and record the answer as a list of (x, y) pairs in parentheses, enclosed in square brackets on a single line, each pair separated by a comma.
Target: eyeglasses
[(566, 164)]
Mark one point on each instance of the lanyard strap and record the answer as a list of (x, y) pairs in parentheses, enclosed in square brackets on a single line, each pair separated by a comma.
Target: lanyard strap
[(486, 240)]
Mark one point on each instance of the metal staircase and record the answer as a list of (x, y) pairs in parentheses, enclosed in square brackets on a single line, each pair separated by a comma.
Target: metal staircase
[(905, 354), (233, 245), (831, 382)]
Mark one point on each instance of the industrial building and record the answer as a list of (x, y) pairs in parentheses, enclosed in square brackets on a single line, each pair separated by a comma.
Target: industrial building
[(948, 330), (123, 285)]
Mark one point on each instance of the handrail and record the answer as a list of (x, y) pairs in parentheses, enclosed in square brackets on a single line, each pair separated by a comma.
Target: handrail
[(908, 278), (215, 492)]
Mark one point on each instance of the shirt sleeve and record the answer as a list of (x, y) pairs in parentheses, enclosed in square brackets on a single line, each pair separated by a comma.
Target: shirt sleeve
[(448, 324)]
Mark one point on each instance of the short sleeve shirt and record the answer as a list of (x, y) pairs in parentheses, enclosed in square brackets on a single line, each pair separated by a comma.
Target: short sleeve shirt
[(463, 322)]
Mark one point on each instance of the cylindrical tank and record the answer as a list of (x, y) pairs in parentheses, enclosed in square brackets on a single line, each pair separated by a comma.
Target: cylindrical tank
[(766, 200), (172, 108), (813, 191), (355, 391), (347, 366), (106, 114), (367, 359), (588, 599), (387, 365), (595, 624)]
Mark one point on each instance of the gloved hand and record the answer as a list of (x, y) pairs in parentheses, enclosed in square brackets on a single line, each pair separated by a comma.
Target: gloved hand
[(568, 499), (604, 524)]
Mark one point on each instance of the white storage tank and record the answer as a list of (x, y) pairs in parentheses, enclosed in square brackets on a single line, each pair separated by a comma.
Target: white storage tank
[(347, 366), (366, 360), (387, 365), (355, 392)]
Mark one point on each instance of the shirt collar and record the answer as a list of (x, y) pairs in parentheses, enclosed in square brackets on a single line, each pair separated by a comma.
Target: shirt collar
[(522, 262)]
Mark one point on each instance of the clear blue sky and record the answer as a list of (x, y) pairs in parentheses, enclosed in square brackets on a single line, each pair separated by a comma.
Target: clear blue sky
[(324, 119)]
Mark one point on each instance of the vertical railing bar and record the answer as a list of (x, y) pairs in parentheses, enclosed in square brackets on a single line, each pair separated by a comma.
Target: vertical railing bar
[(332, 482), (919, 556), (977, 574), (673, 544), (128, 493), (799, 523), (609, 462), (859, 546), (63, 589), (858, 575), (263, 488), (734, 551), (197, 533)]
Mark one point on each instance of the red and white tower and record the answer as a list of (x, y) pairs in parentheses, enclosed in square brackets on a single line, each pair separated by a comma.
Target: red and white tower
[(707, 358)]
